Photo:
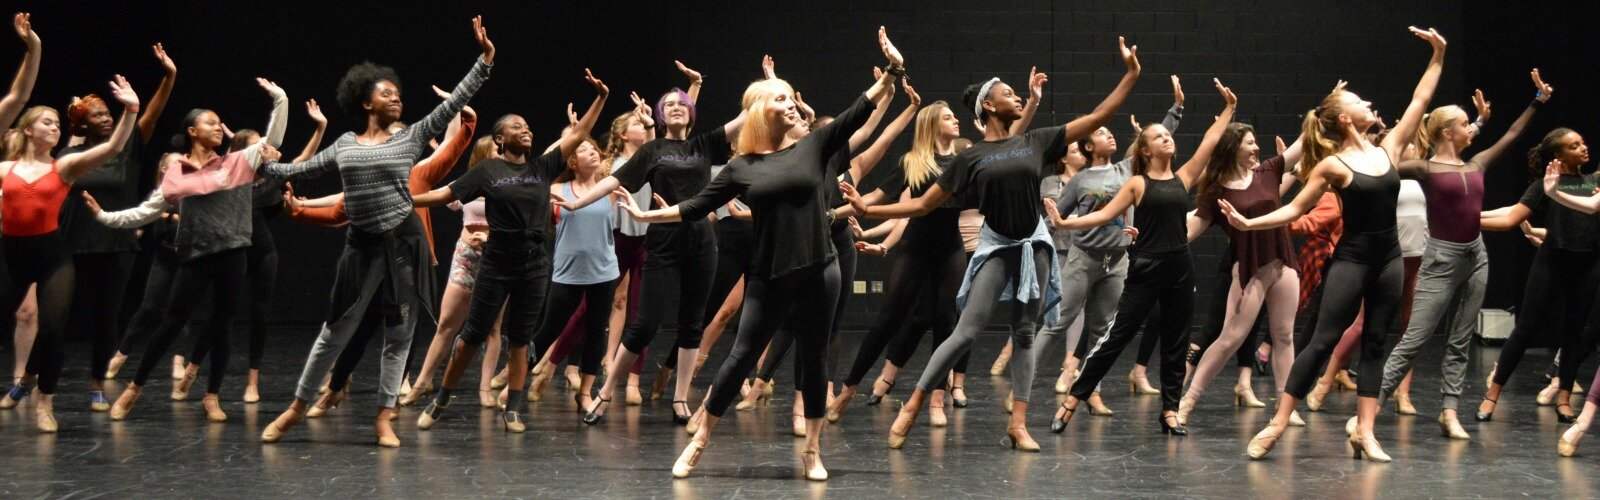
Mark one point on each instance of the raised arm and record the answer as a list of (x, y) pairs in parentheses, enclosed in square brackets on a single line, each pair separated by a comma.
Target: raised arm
[(315, 112), (570, 142), (144, 213), (457, 139), (75, 165), (1202, 155), (695, 79), (1036, 81), (862, 164), (1541, 95), (1083, 125), (439, 118), (873, 119), (277, 122), (22, 86), (897, 64), (1406, 127), (158, 102)]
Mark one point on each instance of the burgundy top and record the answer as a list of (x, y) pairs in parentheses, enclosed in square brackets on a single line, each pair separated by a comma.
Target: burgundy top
[(1253, 249), (1455, 200)]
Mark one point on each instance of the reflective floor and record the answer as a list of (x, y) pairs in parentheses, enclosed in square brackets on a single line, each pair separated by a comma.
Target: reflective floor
[(168, 449)]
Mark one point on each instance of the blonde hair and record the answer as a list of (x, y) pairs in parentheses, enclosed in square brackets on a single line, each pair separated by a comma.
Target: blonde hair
[(919, 164), (482, 149), (616, 139), (1322, 133), (18, 143), (1140, 163), (1434, 123), (757, 132)]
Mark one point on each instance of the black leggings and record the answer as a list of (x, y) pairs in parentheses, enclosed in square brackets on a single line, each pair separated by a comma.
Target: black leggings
[(735, 241), (103, 279), (1168, 279), (564, 300), (677, 275), (1344, 289), (42, 260), (906, 338), (793, 302), (223, 273), (845, 247), (261, 271), (1561, 290), (917, 277)]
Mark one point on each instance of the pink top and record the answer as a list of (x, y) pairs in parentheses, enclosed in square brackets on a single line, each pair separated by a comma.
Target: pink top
[(220, 173)]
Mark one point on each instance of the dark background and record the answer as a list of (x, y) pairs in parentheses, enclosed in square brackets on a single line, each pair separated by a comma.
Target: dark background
[(1280, 57)]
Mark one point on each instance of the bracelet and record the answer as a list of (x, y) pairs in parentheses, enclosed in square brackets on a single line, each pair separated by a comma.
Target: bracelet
[(897, 71), (833, 216), (1539, 99)]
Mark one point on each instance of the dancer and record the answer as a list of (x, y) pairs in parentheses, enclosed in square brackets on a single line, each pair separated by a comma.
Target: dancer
[(380, 274), (1564, 274), (794, 274), (681, 253), (1265, 274), (516, 267), (36, 251), (26, 315), (103, 257), (212, 239), (1001, 175), (1367, 263), (1094, 271), (1160, 268), (1455, 269)]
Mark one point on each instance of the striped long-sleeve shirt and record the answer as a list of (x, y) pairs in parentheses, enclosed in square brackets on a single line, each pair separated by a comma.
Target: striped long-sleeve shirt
[(377, 197)]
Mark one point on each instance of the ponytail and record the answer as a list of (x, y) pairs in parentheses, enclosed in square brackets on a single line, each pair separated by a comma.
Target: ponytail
[(1545, 152)]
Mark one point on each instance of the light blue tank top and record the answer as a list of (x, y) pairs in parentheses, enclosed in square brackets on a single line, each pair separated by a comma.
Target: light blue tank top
[(585, 250)]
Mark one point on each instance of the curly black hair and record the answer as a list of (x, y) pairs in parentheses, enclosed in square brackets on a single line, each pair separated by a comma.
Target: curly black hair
[(356, 87)]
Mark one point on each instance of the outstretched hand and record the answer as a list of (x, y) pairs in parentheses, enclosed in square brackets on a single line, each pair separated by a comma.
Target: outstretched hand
[(625, 201), (125, 94), (1552, 176), (1430, 35), (916, 100), (1036, 81), (166, 62), (1282, 148), (768, 68), (1227, 94), (270, 86), (1050, 209), (855, 226), (1177, 91), (1130, 55), (889, 51), (599, 86), (94, 206), (694, 76), (1481, 104), (853, 198), (1544, 90), (1235, 218), (482, 34), (873, 249), (315, 112), (23, 23)]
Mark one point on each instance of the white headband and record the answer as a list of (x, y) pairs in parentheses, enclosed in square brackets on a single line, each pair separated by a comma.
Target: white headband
[(983, 93)]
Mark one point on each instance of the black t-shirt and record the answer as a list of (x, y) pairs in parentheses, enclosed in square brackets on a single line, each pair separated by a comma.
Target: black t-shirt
[(787, 192), (937, 230), (115, 186), (676, 170), (1001, 178), (1162, 218), (516, 201), (1567, 229)]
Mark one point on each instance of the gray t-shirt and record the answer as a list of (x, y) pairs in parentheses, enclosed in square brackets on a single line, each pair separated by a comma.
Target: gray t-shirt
[(630, 226), (1092, 189)]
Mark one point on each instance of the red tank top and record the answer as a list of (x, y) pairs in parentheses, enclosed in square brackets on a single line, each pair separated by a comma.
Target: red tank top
[(31, 209)]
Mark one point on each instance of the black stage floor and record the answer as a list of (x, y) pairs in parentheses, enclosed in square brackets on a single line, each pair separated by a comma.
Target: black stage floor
[(168, 449)]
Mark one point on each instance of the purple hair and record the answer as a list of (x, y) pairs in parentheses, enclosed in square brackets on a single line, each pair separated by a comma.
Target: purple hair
[(683, 97)]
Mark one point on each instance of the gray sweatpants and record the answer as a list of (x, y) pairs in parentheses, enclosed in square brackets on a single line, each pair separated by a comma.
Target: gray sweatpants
[(1450, 287), (1091, 283), (1002, 267)]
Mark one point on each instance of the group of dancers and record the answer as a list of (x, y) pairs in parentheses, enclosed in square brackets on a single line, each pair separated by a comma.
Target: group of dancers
[(561, 258)]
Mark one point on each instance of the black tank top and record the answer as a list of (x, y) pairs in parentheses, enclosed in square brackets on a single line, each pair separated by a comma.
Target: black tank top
[(1369, 204), (1161, 217)]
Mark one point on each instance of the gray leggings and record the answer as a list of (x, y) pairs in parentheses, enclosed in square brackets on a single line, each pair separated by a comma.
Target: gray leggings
[(1450, 287), (1002, 268)]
